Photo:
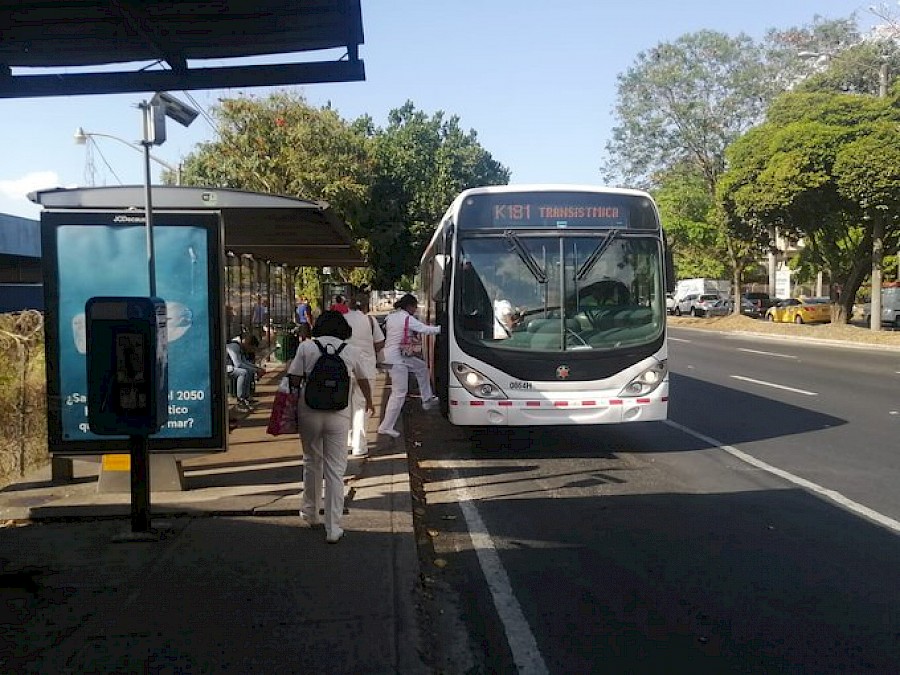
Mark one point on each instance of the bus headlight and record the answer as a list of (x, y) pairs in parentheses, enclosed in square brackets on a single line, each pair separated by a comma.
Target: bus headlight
[(646, 382), (475, 383)]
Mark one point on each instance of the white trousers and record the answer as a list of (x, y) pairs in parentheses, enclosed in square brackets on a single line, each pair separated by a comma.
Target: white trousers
[(358, 443), (357, 440), (324, 440), (400, 371)]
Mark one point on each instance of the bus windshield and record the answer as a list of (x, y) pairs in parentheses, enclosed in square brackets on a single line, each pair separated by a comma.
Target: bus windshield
[(543, 292)]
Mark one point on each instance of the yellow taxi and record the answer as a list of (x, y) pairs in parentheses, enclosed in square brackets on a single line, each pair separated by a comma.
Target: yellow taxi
[(802, 310)]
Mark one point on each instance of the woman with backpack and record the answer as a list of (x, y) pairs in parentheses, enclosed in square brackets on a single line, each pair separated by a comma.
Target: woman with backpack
[(325, 366), (401, 329)]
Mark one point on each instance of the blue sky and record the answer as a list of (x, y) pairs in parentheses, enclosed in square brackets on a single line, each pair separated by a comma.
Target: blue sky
[(535, 79)]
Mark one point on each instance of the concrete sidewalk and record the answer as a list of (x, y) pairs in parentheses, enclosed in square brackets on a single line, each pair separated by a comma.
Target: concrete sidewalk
[(236, 583)]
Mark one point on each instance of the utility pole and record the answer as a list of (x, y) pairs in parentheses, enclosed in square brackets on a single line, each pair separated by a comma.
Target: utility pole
[(878, 231)]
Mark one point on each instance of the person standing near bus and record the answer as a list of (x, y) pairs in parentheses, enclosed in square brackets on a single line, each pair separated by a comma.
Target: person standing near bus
[(367, 339), (323, 433), (399, 326)]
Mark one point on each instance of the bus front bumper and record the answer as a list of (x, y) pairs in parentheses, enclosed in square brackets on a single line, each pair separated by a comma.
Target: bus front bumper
[(466, 410)]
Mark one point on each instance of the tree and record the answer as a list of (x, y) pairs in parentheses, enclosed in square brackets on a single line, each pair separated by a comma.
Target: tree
[(282, 145), (390, 185), (821, 168), (684, 102), (795, 54), (697, 245), (681, 105), (420, 164)]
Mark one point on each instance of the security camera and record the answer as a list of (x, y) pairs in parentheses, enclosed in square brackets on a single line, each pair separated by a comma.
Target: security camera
[(178, 111)]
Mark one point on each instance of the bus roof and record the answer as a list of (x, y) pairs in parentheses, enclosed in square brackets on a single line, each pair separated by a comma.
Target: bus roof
[(549, 187)]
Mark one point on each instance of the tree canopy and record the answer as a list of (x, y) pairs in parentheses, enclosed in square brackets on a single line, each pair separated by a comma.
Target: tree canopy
[(823, 168), (683, 103), (391, 185), (420, 164)]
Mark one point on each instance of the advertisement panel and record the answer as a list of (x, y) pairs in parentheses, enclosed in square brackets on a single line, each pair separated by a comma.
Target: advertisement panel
[(88, 254)]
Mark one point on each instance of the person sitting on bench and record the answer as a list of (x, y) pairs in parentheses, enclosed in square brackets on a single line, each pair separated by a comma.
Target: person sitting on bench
[(243, 370)]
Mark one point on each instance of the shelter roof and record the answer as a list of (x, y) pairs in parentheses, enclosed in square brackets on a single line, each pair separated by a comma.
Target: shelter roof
[(280, 229), (178, 37)]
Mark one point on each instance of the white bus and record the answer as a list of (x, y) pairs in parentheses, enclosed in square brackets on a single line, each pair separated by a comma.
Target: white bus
[(553, 303)]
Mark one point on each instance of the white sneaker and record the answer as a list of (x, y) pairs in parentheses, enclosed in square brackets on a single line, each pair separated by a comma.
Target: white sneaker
[(334, 537), (429, 404), (389, 432)]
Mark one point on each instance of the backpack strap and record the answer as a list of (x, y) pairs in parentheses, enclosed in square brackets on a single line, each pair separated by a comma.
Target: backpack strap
[(323, 349)]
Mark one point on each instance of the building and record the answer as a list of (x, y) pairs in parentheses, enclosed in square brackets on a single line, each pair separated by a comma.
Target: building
[(20, 264)]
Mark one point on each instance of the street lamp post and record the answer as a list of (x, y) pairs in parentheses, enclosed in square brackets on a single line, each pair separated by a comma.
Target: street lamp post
[(82, 137)]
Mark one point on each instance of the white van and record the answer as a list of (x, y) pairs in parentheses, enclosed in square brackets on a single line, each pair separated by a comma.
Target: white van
[(700, 286), (890, 307)]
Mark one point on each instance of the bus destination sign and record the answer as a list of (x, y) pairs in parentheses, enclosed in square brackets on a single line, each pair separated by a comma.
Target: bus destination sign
[(505, 213), (557, 210)]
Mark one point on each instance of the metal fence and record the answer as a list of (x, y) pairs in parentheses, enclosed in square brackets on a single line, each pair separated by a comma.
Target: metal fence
[(23, 410)]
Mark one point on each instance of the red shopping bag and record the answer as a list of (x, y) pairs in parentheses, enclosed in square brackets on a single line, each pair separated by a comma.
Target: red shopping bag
[(283, 419)]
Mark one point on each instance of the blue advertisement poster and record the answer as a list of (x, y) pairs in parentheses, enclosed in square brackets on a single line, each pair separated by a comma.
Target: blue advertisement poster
[(108, 257)]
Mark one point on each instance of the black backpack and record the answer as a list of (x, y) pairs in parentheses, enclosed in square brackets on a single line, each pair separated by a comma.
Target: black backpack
[(328, 383)]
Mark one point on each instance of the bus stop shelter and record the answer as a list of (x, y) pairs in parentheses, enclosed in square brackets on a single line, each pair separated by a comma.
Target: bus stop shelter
[(91, 249), (278, 229)]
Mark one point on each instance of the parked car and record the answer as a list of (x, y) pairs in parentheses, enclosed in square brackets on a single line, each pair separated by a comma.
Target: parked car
[(760, 301), (751, 310), (696, 304), (670, 303), (721, 307), (803, 310), (890, 307)]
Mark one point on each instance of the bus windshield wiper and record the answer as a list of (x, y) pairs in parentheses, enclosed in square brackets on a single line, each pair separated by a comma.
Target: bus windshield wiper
[(525, 256), (589, 262)]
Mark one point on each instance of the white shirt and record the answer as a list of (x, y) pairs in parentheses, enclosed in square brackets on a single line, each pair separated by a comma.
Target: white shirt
[(365, 334), (394, 329), (308, 353), (503, 311)]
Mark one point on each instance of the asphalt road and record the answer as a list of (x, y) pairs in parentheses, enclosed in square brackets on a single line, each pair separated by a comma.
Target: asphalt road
[(676, 547), (829, 414)]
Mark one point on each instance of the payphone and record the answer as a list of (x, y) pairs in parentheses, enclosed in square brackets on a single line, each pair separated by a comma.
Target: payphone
[(127, 360)]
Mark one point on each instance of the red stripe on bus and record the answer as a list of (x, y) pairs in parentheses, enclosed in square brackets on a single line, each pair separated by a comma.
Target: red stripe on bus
[(476, 402), (452, 402), (643, 400), (532, 403), (507, 403), (560, 404), (616, 401), (664, 399), (589, 403)]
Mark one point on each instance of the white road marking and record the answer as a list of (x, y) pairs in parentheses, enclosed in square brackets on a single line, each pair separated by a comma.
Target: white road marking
[(773, 385), (832, 495), (757, 351), (521, 641), (675, 339)]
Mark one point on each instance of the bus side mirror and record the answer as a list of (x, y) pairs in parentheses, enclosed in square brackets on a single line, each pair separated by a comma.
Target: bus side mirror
[(438, 275), (670, 271)]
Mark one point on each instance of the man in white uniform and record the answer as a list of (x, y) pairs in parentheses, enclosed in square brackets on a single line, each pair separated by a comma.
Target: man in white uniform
[(367, 338)]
